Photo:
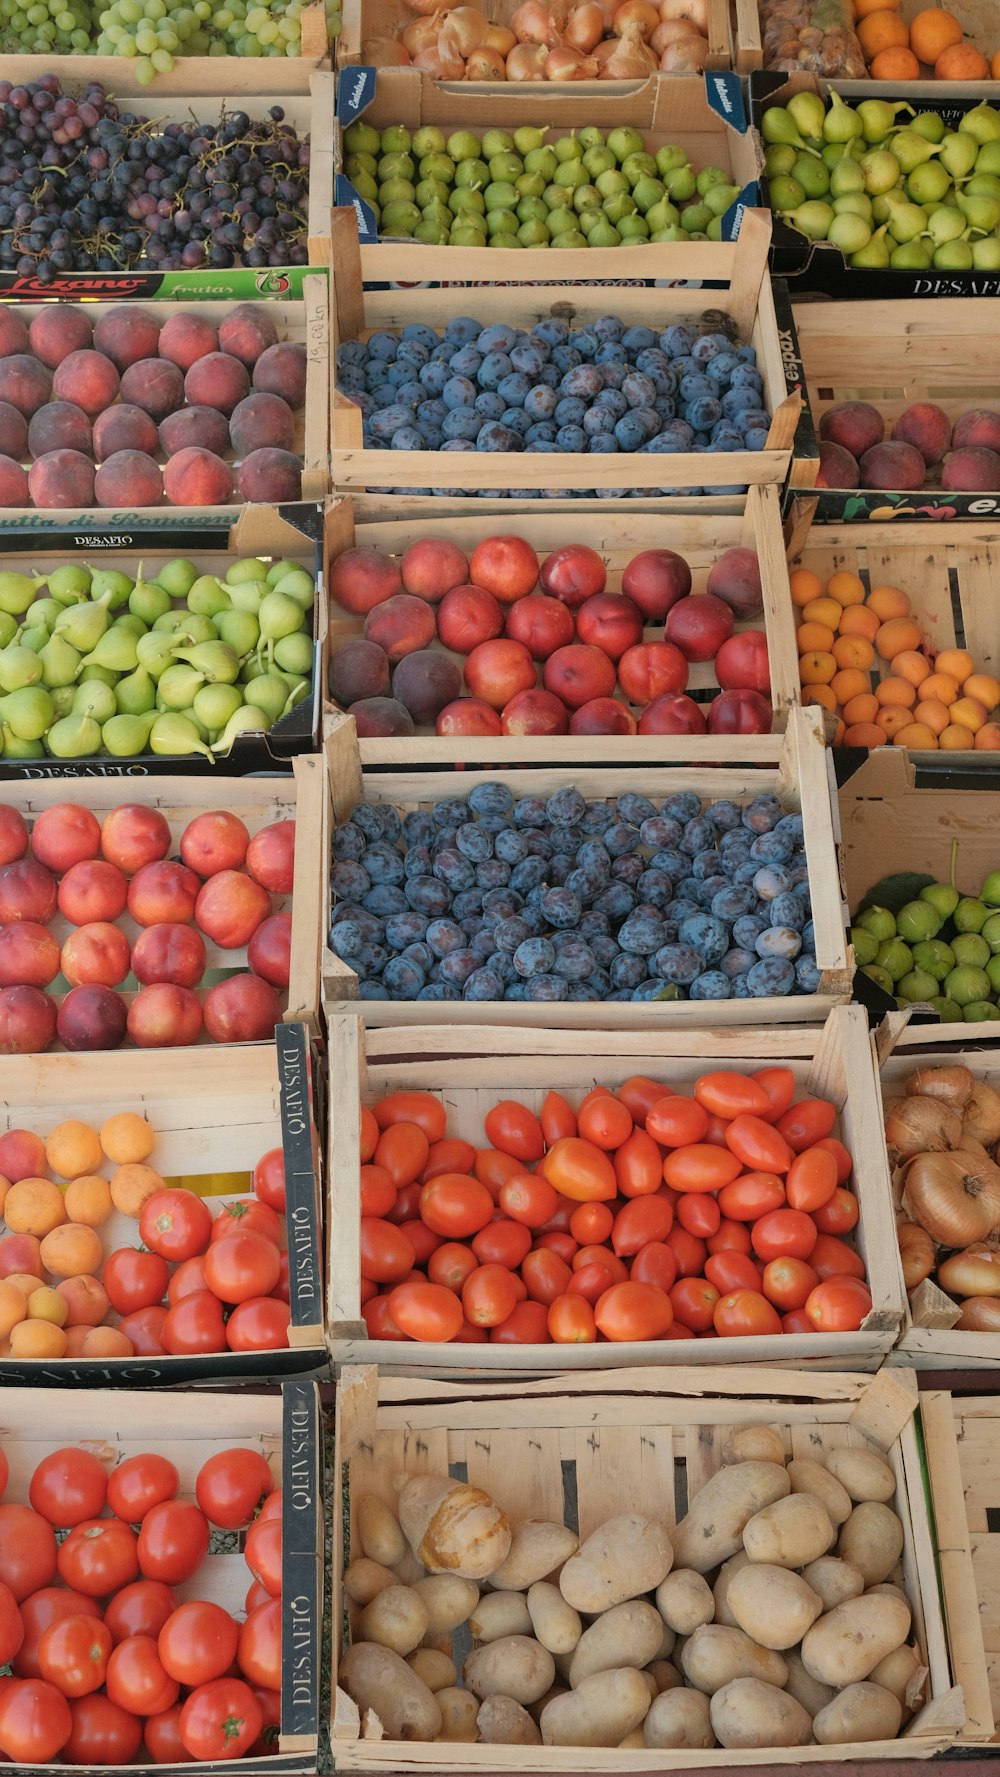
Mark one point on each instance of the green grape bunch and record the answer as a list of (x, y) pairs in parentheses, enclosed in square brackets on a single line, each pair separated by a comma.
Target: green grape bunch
[(152, 33)]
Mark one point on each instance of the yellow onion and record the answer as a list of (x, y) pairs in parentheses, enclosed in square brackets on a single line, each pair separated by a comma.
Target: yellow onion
[(955, 1196), (564, 63), (981, 1115), (527, 62), (498, 37), (630, 59), (440, 65), (607, 10), (980, 1314), (916, 1249), (422, 34), (424, 7), (535, 22), (921, 1126), (584, 27), (954, 1084), (464, 29), (695, 10), (636, 12), (671, 31), (974, 1272), (384, 52), (685, 57), (485, 64)]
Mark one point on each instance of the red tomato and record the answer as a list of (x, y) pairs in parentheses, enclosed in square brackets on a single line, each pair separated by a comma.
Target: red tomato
[(455, 1206), (688, 1250), (73, 1654), (729, 1237), (555, 1242), (198, 1641), (639, 1094), (546, 1275), (787, 1282), (407, 1204), (676, 1121), (162, 1737), (489, 1295), (449, 1155), (426, 1311), (419, 1108), (423, 1240), (571, 1321), (139, 1609), (369, 1137), (699, 1213), (812, 1179), (175, 1223), (241, 1266), (751, 1196), (144, 1328), (758, 1145), (601, 1255), (528, 1198), (605, 1121), (173, 1542), (229, 1487), (11, 1626), (654, 1263), (102, 1733), (727, 1094), (262, 1553), (378, 1193), (807, 1122), (68, 1486), (133, 1279), (266, 1743), (557, 1117), (269, 1172), (502, 1243), (580, 1171), (136, 1677), (194, 1325), (378, 1320), (41, 1608), (471, 1335), (700, 1167), (99, 1556), (187, 1278), (255, 1594), (591, 1223), (246, 1214), (633, 1311), (693, 1301), (783, 1233), (845, 1164), (450, 1265), (797, 1321), (221, 1720), (27, 1550), (638, 1165), (832, 1257), (492, 1168), (139, 1483), (730, 1271), (527, 1324), (271, 1507), (386, 1252), (642, 1219), (259, 1655), (591, 1280), (562, 1215), (716, 1131), (839, 1214), (514, 1129), (744, 1314), (402, 1150), (35, 1721), (839, 1304), (779, 1084)]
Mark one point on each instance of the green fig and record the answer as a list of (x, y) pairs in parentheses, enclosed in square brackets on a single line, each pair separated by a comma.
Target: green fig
[(917, 985), (813, 219), (359, 137), (244, 720), (982, 123), (155, 652), (895, 957), (850, 233), (207, 597), (84, 625), (35, 639), (213, 705), (910, 256), (94, 699), (841, 123), (62, 700), (970, 915), (623, 142), (980, 1012), (19, 667), (126, 736), (991, 932), (278, 616), (543, 161), (73, 737), (13, 747), (947, 1010), (912, 149), (982, 185), (990, 891), (958, 154), (965, 984), (981, 213), (27, 713), (879, 921), (680, 184), (993, 973), (942, 897), (428, 139), (172, 733), (971, 950), (148, 601), (102, 675), (69, 583), (934, 957), (136, 694), (945, 224), (906, 222), (17, 592), (876, 254), (928, 184), (8, 629), (300, 690), (812, 175), (240, 630), (808, 113), (880, 976), (953, 256), (117, 650), (856, 203), (129, 624), (108, 581), (881, 171), (928, 124), (917, 922), (45, 613), (60, 660), (986, 254), (779, 159), (865, 946), (846, 177), (268, 693), (215, 661), (294, 653), (178, 685)]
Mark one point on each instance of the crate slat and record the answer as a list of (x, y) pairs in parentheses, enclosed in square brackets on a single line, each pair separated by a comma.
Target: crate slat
[(960, 1438)]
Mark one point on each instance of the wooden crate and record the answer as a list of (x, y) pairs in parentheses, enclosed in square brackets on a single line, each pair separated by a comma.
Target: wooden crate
[(285, 1427), (700, 540), (386, 18), (214, 1116), (470, 1069), (305, 323), (588, 1447), (358, 312), (792, 765), (960, 1443), (257, 802), (280, 75)]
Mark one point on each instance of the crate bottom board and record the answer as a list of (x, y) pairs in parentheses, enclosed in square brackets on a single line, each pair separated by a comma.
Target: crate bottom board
[(792, 1009), (403, 1756), (841, 1351)]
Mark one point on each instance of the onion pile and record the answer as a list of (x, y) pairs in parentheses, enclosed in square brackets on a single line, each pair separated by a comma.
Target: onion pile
[(549, 40), (943, 1137)]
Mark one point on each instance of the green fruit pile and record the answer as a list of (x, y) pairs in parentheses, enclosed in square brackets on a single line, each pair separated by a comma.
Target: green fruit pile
[(187, 663), (942, 948), (907, 196), (586, 189)]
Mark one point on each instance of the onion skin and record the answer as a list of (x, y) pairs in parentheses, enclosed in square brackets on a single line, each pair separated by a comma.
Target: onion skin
[(981, 1116), (384, 52), (687, 57), (695, 10), (955, 1196), (564, 63), (485, 64), (465, 30), (916, 1250), (980, 1314), (953, 1084), (584, 27), (440, 66), (526, 62), (638, 12), (921, 1126), (499, 38), (422, 34), (535, 22), (974, 1272)]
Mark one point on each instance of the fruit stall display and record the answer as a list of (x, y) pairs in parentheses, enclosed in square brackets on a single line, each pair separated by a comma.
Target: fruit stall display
[(120, 407), (117, 1213), (144, 655), (105, 937), (905, 40), (636, 1491), (129, 1557), (440, 631)]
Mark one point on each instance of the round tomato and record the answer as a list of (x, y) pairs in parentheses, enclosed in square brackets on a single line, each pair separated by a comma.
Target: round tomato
[(744, 1314), (266, 1742), (633, 1311), (102, 1733), (198, 1641), (639, 1094), (591, 1223), (402, 1152), (839, 1304), (570, 1321), (449, 1155), (638, 1165), (779, 1084), (700, 1167), (35, 1721), (27, 1550), (832, 1257), (689, 1252), (605, 1121), (729, 1237), (248, 1214), (194, 1325), (693, 1301), (528, 1198), (68, 1486), (423, 1240), (139, 1609), (450, 1265), (593, 1279), (136, 1677), (420, 1108), (271, 1507), (787, 1282), (758, 1145), (259, 1650), (845, 1164), (514, 1129), (807, 1122), (492, 1168), (259, 1324), (99, 1556), (580, 1171), (812, 1179), (731, 1270), (255, 1594), (545, 1275), (73, 1654), (187, 1279), (839, 1214), (175, 1223), (502, 1242), (229, 1488), (455, 1206), (11, 1625), (262, 1553), (654, 1263), (557, 1117), (676, 1121), (489, 1295), (139, 1483), (41, 1608), (641, 1220), (699, 1213), (162, 1736), (269, 1174), (173, 1542), (144, 1328), (727, 1094), (241, 1266), (221, 1720), (134, 1279), (527, 1324), (751, 1196), (783, 1233), (426, 1311)]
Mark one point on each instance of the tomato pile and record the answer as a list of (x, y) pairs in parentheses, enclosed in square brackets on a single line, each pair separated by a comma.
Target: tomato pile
[(105, 1659), (196, 1284), (643, 1214)]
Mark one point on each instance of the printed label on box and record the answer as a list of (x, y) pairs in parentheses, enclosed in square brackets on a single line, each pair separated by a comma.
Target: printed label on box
[(297, 1131), (724, 93)]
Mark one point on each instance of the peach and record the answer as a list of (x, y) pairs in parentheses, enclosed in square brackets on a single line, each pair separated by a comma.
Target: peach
[(574, 573), (13, 432), (468, 715), (650, 669), (425, 681), (185, 338), (22, 1155), (925, 426), (214, 841), (128, 478), (431, 567), (230, 907), (401, 625), (216, 380), (246, 332), (496, 671), (88, 378), (358, 669), (29, 955), (507, 566), (163, 891), (197, 477), (362, 578), (610, 622), (655, 580), (96, 954), (14, 486), (65, 834), (579, 673), (24, 383), (27, 891), (13, 834), (534, 712), (61, 479), (893, 465), (154, 385), (468, 615), (133, 835), (164, 1016), (127, 334), (541, 623), (193, 428), (13, 332), (92, 891), (735, 577), (270, 475), (972, 470), (27, 1021), (269, 951), (271, 857), (855, 425), (261, 421), (123, 427), (837, 467), (60, 425), (242, 1009), (281, 370), (57, 330), (381, 717), (91, 1018), (981, 425), (171, 953), (603, 715)]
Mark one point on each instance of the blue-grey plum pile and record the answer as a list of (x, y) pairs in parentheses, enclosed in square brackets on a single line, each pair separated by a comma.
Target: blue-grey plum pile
[(558, 898), (601, 389)]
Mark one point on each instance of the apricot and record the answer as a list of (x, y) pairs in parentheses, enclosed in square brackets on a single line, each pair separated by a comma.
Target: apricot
[(969, 712), (910, 664), (862, 708), (72, 1250), (988, 737), (123, 427), (822, 610), (956, 662), (984, 687), (955, 738), (34, 1206), (810, 637), (25, 1281), (817, 669), (865, 734), (127, 1137), (896, 692), (940, 688), (73, 1148), (57, 330), (932, 714), (859, 620), (107, 1342), (185, 338), (131, 1184), (845, 588), (127, 334), (824, 695), (853, 652), (899, 634), (13, 1306), (915, 735), (805, 586), (88, 1200), (61, 479), (60, 425), (44, 1303), (849, 682), (37, 1339)]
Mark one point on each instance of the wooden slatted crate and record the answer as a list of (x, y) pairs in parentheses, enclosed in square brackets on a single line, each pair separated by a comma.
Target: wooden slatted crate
[(470, 1069), (279, 75), (961, 1434), (587, 1447)]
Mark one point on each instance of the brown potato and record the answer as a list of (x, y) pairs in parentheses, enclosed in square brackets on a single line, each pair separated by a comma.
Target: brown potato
[(789, 1533), (713, 1528), (862, 1473), (807, 1476), (873, 1539), (380, 1680), (378, 1530), (395, 1618), (684, 1600), (517, 1666), (501, 1721), (498, 1614), (434, 1667), (860, 1712), (748, 1713), (679, 1718), (714, 1656), (365, 1579), (627, 1556)]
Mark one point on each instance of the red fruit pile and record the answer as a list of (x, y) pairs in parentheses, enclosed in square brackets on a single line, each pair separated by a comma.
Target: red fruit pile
[(135, 410), (643, 1214), (98, 903), (109, 1666), (607, 667), (923, 450)]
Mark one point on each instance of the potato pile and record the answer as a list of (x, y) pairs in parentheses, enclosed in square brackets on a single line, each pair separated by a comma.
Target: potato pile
[(765, 1619)]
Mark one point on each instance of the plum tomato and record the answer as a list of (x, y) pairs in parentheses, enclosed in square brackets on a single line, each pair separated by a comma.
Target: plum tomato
[(455, 1206), (527, 1324), (502, 1242), (426, 1311), (838, 1304), (420, 1108), (730, 1271), (699, 1213), (807, 1122), (633, 1311), (571, 1321), (783, 1233), (787, 1282), (812, 1179), (489, 1295), (450, 1264), (641, 1220), (832, 1257), (689, 1251), (700, 1167), (845, 1164), (758, 1145), (605, 1121), (839, 1214), (638, 1165), (402, 1152), (370, 1133), (515, 1130), (751, 1196), (675, 1122), (378, 1193), (580, 1171), (779, 1084), (654, 1263), (743, 1314), (591, 1223), (557, 1117), (448, 1156), (693, 1301), (727, 1094), (545, 1275), (639, 1094)]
